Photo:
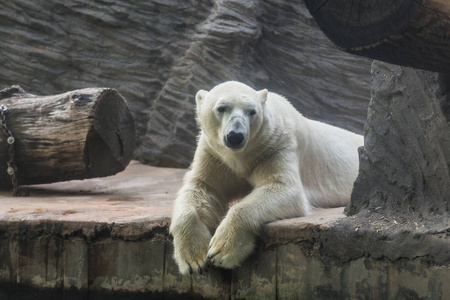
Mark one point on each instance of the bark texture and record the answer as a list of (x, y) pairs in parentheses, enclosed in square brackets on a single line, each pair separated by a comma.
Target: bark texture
[(404, 164), (159, 53), (404, 32), (76, 135)]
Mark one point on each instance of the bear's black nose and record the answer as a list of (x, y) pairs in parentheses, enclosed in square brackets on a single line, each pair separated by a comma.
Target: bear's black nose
[(235, 138)]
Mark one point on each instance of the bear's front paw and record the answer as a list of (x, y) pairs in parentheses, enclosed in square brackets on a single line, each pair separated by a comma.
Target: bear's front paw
[(190, 240), (230, 245)]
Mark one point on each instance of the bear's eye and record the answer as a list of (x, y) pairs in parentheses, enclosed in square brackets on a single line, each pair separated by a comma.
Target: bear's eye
[(252, 112), (221, 109)]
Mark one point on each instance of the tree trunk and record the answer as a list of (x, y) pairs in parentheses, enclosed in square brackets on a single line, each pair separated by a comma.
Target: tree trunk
[(403, 32), (404, 164), (76, 135)]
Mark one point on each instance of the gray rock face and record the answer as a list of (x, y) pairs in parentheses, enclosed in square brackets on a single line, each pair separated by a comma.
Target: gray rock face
[(159, 53), (404, 165)]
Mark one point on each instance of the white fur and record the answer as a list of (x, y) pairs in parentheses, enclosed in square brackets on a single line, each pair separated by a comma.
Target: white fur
[(287, 165)]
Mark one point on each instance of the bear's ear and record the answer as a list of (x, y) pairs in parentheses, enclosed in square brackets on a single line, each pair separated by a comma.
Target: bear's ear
[(200, 96), (263, 95)]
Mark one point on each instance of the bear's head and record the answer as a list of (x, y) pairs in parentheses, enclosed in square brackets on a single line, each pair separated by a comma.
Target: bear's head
[(231, 114)]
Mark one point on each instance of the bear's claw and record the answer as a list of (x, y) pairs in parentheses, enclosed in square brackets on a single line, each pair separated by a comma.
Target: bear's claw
[(211, 255), (197, 269), (228, 249)]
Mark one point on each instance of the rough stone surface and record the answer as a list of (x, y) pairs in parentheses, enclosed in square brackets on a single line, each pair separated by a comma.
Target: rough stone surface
[(138, 194), (159, 53), (404, 165), (108, 239)]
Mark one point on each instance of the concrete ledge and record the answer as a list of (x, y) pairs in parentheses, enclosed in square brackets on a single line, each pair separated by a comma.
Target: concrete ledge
[(108, 239)]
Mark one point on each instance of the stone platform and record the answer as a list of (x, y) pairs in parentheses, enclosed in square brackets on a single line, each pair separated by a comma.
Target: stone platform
[(108, 239)]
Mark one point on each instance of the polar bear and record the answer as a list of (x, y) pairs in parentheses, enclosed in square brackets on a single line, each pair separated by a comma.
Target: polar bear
[(255, 147)]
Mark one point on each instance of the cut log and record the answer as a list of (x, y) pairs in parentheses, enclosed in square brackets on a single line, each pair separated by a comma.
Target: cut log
[(76, 135), (408, 33)]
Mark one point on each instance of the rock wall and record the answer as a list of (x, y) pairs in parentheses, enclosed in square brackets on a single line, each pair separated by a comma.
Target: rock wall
[(159, 53)]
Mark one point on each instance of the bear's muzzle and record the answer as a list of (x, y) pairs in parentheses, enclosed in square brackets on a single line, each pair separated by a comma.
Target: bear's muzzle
[(234, 140)]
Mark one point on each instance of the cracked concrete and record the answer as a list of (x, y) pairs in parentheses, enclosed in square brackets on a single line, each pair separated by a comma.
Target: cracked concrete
[(108, 239)]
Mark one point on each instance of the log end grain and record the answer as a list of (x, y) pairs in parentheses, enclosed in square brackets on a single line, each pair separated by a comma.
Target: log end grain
[(361, 23), (407, 33), (110, 142)]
